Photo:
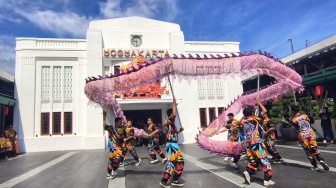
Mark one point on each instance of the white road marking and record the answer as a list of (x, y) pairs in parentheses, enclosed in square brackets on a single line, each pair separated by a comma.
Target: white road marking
[(227, 175), (300, 148), (332, 169), (19, 179), (120, 179), (17, 157)]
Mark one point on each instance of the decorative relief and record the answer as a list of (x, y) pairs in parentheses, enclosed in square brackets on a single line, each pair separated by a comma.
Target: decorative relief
[(57, 82), (201, 87), (210, 87), (219, 87), (68, 82), (28, 61), (57, 44), (45, 83)]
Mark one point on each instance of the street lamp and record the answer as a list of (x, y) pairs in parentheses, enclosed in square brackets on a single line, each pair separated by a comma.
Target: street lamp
[(291, 41)]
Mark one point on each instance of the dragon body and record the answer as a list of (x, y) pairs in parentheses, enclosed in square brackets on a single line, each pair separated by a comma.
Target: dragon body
[(102, 90)]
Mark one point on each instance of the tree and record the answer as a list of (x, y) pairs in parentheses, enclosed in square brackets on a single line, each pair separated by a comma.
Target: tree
[(281, 108)]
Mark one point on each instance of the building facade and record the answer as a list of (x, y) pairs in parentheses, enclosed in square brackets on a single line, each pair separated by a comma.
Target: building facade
[(52, 111)]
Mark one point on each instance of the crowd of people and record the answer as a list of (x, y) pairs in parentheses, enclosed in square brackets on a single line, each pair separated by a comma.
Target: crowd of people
[(8, 142), (143, 141), (246, 131), (121, 140)]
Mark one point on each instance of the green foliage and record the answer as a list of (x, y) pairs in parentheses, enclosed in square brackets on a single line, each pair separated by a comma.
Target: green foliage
[(281, 108), (304, 105)]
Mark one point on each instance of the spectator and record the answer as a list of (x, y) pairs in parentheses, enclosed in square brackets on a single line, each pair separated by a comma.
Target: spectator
[(326, 125), (12, 136)]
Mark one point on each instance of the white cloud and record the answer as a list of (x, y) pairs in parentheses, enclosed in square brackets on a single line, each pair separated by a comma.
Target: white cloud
[(60, 23), (7, 53), (143, 8)]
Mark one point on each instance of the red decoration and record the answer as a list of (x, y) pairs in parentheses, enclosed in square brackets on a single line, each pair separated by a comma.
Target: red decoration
[(318, 90), (276, 98), (6, 110)]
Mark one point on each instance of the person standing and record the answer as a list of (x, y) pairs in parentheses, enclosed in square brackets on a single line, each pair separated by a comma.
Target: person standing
[(12, 136), (256, 150), (130, 142), (269, 129), (175, 163), (233, 127), (326, 125), (307, 138), (115, 155), (153, 144)]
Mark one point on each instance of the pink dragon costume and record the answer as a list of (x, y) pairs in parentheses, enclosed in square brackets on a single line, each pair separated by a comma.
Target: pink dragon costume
[(102, 90)]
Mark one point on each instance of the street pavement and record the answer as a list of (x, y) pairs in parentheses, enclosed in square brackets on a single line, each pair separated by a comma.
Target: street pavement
[(87, 168)]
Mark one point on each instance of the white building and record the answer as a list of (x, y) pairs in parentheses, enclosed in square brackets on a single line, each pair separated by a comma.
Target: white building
[(52, 111)]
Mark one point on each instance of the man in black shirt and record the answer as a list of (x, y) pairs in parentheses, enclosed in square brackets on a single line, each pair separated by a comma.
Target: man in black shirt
[(326, 125)]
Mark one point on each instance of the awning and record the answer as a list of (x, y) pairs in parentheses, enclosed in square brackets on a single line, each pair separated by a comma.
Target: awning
[(142, 104), (7, 101)]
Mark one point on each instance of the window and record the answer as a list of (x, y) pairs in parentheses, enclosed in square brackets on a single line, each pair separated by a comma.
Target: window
[(201, 87), (67, 122), (116, 70), (220, 110), (57, 82), (56, 123), (44, 123), (210, 87), (219, 87), (67, 82), (203, 118), (45, 82), (212, 114), (107, 70)]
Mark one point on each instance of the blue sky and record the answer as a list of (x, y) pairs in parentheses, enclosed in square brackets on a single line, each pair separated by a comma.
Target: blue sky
[(256, 24)]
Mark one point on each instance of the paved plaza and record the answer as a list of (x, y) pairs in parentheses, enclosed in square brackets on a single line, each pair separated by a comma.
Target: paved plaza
[(87, 168)]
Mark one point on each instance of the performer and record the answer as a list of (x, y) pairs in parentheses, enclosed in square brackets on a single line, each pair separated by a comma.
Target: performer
[(256, 150), (115, 155), (269, 140), (12, 136), (153, 144), (121, 135), (130, 142), (233, 127), (307, 138), (175, 164)]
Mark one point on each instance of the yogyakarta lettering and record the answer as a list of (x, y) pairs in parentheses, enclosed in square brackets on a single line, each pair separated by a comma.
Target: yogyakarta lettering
[(135, 53)]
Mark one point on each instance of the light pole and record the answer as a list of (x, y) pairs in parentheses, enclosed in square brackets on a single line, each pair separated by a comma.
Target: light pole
[(307, 43), (291, 41)]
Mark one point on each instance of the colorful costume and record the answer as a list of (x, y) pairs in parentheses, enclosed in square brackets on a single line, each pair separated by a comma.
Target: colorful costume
[(116, 155), (235, 134), (129, 144), (175, 163), (11, 135), (270, 139), (307, 139), (256, 151), (153, 143), (234, 128)]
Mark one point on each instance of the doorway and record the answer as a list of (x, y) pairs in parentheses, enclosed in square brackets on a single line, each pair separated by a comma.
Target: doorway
[(140, 117)]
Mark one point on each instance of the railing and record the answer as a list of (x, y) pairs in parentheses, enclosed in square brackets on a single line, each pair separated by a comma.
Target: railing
[(57, 43)]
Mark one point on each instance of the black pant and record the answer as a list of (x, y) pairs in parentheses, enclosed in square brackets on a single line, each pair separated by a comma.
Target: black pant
[(327, 132)]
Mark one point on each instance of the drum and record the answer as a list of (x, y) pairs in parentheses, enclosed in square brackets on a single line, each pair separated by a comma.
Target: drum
[(9, 146), (2, 144)]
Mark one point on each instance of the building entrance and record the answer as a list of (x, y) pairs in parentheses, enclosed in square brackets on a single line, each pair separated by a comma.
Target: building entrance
[(140, 117)]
